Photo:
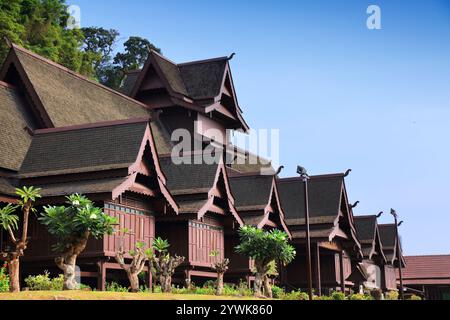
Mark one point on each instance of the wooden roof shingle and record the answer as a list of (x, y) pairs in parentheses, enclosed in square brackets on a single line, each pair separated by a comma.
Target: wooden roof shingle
[(70, 99), (86, 149), (428, 269), (251, 191), (14, 119), (324, 194)]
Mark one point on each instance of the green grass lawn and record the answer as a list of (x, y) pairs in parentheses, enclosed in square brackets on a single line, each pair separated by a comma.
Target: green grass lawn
[(87, 295)]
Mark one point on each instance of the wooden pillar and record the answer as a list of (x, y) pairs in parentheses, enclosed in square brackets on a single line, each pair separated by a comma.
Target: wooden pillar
[(101, 278), (341, 270), (317, 270)]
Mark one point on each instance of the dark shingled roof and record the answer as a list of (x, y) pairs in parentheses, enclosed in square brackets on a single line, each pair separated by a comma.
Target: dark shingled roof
[(171, 73), (84, 150), (387, 235), (197, 80), (81, 187), (69, 99), (251, 191), (7, 186), (15, 140), (324, 196), (366, 227), (188, 178), (203, 79)]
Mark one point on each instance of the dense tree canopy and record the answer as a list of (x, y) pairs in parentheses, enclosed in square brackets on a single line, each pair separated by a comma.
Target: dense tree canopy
[(264, 248), (41, 26), (72, 225)]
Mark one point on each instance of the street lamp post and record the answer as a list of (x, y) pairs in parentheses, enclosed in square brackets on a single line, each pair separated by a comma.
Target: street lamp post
[(304, 176), (399, 258)]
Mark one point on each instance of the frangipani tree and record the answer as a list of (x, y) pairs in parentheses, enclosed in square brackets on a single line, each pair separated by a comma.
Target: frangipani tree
[(72, 226), (139, 256), (9, 221), (264, 248), (163, 263), (221, 266)]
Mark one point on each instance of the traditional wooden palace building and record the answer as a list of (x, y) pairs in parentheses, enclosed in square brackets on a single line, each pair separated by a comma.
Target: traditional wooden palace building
[(67, 134)]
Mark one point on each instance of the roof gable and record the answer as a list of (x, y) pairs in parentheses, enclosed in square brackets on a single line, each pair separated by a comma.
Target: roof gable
[(251, 191), (205, 86), (369, 236), (69, 98), (324, 196)]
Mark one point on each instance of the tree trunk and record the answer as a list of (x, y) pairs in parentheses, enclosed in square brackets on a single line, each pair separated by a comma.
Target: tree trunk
[(267, 287), (70, 282), (257, 285), (166, 283), (134, 281), (67, 262), (219, 288), (13, 271)]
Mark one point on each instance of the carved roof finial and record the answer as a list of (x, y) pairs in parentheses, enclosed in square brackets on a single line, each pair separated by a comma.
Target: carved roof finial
[(231, 56)]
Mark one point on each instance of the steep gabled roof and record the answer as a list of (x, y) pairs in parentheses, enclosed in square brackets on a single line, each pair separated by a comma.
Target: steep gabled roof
[(257, 199), (197, 85), (189, 178), (103, 147), (14, 121), (194, 183), (387, 234), (203, 79), (389, 240), (366, 227), (84, 149), (328, 204), (251, 192), (325, 194), (369, 236), (66, 98)]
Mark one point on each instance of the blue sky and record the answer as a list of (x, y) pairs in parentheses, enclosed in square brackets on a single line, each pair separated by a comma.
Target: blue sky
[(343, 96)]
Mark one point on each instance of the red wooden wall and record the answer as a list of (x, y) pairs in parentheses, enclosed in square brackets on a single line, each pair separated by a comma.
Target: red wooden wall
[(203, 239), (139, 222)]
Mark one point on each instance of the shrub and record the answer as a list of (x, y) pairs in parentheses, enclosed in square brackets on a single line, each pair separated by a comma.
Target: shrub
[(43, 282), (414, 297), (392, 295), (115, 287), (322, 298), (243, 289), (277, 292), (359, 296), (295, 295), (337, 295), (4, 279)]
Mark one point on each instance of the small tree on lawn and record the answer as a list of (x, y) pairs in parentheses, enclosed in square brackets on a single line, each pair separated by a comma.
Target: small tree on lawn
[(10, 222), (72, 226), (139, 257), (221, 266), (163, 263), (264, 247)]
